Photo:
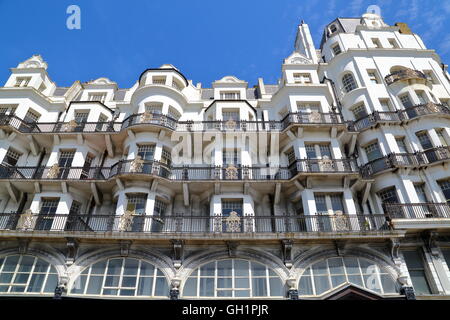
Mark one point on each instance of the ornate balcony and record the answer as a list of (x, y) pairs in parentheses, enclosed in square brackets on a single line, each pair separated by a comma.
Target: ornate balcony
[(376, 118), (390, 162), (417, 210), (327, 166), (400, 116), (180, 224), (405, 75), (177, 173), (161, 120)]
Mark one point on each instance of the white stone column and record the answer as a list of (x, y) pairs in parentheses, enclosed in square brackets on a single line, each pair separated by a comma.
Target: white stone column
[(434, 138), (310, 210), (149, 210)]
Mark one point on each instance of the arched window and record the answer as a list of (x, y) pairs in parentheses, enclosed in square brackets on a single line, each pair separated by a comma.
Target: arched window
[(121, 277), (349, 83), (235, 278), (24, 274), (327, 274)]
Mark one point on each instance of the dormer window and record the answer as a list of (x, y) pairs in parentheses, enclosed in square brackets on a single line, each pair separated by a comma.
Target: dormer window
[(333, 28), (7, 109), (97, 96), (159, 80), (393, 43), (22, 81), (302, 78), (230, 95), (42, 87), (376, 43), (336, 49), (176, 85)]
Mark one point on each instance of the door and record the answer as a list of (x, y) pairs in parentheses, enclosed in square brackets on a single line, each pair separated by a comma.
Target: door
[(74, 221), (159, 213), (136, 204), (86, 168), (81, 119), (47, 214), (323, 217), (232, 215), (65, 163)]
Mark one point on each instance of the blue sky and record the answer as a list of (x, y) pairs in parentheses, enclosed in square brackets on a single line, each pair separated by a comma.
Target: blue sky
[(205, 40)]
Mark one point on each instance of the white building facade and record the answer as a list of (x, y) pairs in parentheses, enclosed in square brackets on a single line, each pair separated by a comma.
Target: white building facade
[(333, 183)]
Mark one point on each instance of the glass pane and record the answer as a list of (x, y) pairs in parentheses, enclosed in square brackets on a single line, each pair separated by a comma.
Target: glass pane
[(41, 266), (21, 278), (419, 282), (6, 277), (52, 281), (114, 266), (276, 287), (337, 280), (356, 279), (190, 288), (320, 268), (127, 292), (224, 283), (336, 266), (112, 281), (241, 283), (4, 288), (145, 286), (161, 288), (147, 269), (18, 289), (36, 283), (259, 287), (98, 268), (131, 267), (206, 287), (10, 263), (413, 259), (371, 282), (258, 269), (79, 284), (110, 292), (95, 285), (388, 284), (351, 265), (242, 293), (26, 264), (241, 268), (224, 268), (128, 282), (208, 269), (224, 293), (321, 283)]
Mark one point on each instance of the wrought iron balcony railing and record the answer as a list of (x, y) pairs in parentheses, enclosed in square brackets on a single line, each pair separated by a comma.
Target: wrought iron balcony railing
[(158, 119), (416, 210), (405, 160), (157, 168), (399, 116), (405, 74), (130, 222)]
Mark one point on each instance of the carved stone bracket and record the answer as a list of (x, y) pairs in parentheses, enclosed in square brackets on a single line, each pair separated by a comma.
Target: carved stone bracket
[(26, 220), (286, 247), (72, 249), (339, 245), (175, 289), (429, 238), (125, 247), (232, 247), (394, 247), (178, 252), (23, 245), (408, 292), (137, 164)]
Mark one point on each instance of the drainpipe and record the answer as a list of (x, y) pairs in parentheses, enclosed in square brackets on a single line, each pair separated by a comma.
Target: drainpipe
[(334, 91)]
